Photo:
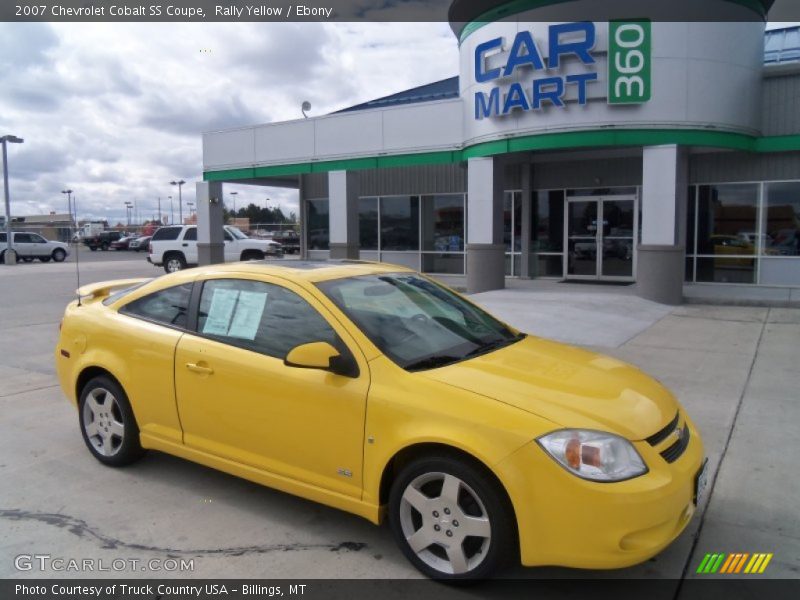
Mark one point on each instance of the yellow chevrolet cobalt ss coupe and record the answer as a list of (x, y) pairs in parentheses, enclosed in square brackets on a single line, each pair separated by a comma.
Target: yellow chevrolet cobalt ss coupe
[(373, 389)]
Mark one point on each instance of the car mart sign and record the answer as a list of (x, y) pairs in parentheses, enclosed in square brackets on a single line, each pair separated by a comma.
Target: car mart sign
[(629, 67)]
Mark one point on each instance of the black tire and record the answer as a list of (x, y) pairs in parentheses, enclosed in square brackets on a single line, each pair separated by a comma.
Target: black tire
[(252, 255), (483, 556), (174, 262), (27, 259), (59, 255), (93, 248), (106, 393), (104, 246), (44, 258)]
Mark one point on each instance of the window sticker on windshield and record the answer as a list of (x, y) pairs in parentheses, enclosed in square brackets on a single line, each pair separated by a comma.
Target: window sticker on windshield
[(247, 315), (219, 314)]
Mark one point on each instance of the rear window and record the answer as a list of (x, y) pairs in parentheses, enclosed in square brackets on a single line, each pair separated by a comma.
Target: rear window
[(190, 235), (167, 307), (166, 233)]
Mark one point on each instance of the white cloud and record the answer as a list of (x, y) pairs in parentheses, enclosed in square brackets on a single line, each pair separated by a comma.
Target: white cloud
[(115, 111)]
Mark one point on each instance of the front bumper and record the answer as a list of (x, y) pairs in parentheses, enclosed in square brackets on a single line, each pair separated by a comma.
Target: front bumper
[(568, 521)]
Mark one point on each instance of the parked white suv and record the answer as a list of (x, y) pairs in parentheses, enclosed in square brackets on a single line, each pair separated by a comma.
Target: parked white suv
[(175, 247), (31, 245)]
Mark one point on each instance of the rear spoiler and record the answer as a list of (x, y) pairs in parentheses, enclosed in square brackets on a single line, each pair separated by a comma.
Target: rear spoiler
[(103, 288)]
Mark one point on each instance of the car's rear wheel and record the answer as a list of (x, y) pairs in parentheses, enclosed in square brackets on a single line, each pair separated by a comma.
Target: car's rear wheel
[(59, 255), (174, 262), (93, 248), (252, 255), (103, 246), (451, 519), (107, 423), (27, 259)]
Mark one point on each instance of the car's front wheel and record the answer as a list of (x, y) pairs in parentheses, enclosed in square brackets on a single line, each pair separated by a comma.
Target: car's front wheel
[(59, 255), (451, 519), (107, 423)]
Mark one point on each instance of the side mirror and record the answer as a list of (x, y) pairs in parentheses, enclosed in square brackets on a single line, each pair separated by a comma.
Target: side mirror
[(316, 355)]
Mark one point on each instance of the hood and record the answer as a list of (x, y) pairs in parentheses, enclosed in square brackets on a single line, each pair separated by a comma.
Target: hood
[(569, 386)]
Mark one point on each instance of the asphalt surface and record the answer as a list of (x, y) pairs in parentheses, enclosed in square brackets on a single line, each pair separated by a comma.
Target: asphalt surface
[(734, 369)]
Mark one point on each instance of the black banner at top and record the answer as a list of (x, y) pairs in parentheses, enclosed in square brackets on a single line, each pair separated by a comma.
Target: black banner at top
[(458, 12)]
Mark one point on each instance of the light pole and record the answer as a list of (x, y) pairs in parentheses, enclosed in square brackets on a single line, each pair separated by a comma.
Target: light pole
[(128, 207), (159, 211), (179, 183), (171, 211), (190, 205), (234, 194), (69, 206), (10, 255)]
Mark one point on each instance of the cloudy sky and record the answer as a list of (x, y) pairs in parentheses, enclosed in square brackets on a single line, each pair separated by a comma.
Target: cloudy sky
[(115, 111)]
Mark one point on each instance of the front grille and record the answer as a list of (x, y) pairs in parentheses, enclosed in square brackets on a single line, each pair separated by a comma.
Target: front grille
[(662, 434), (675, 451)]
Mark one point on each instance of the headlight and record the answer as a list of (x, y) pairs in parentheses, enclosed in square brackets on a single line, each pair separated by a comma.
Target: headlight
[(593, 454)]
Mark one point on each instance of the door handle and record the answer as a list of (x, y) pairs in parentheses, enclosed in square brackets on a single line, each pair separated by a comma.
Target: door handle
[(185, 245), (199, 369)]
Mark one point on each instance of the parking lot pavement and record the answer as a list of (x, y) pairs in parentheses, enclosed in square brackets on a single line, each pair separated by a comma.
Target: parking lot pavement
[(734, 369)]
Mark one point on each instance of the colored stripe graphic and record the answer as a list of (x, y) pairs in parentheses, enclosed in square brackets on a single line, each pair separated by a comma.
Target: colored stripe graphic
[(738, 562)]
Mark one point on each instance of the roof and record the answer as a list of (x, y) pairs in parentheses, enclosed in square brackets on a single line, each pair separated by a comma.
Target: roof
[(438, 90), (306, 270), (780, 46)]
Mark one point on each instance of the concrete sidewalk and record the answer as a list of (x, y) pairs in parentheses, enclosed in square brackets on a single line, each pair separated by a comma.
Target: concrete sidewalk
[(735, 369)]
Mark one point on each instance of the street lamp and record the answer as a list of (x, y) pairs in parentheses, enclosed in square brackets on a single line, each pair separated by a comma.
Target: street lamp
[(69, 207), (190, 205), (234, 194), (171, 211), (179, 183), (128, 207), (10, 255)]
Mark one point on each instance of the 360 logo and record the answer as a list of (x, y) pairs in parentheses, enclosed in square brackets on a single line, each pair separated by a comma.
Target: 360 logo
[(741, 562)]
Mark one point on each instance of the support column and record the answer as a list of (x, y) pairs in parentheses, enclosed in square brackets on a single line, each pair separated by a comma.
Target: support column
[(660, 266), (210, 234), (525, 232), (485, 250), (343, 213)]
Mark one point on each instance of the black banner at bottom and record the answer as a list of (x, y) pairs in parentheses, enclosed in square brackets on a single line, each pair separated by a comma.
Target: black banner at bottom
[(389, 589)]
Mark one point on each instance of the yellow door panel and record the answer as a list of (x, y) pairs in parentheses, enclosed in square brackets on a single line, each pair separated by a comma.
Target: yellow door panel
[(247, 406)]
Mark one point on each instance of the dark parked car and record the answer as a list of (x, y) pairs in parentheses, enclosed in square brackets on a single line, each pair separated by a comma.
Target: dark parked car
[(102, 240), (140, 243), (123, 243), (289, 240)]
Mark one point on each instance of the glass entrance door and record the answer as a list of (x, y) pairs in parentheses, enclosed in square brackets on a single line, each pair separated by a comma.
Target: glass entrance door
[(601, 237)]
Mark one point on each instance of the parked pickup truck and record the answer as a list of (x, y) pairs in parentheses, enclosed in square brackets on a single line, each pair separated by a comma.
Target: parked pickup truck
[(175, 247), (102, 240), (289, 240)]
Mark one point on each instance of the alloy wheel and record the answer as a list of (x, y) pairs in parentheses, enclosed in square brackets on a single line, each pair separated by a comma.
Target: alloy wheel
[(445, 523), (103, 422)]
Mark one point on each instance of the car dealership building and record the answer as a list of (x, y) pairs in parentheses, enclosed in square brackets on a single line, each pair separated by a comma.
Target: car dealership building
[(628, 150)]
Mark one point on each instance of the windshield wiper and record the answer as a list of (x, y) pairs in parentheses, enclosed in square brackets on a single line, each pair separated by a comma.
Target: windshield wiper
[(432, 362), (489, 346)]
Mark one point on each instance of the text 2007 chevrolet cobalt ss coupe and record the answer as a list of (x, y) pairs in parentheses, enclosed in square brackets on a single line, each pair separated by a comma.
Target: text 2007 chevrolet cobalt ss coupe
[(372, 389)]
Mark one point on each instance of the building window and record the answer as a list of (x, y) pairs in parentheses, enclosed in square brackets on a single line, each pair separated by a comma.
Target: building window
[(547, 234), (723, 225), (443, 233), (400, 223), (512, 231), (368, 223), (780, 242), (318, 229)]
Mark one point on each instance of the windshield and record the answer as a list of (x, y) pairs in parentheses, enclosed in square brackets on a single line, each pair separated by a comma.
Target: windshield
[(236, 233), (415, 322)]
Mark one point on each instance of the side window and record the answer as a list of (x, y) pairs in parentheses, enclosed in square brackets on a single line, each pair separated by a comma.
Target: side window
[(37, 239), (166, 233), (22, 238), (169, 306), (228, 236), (259, 316), (190, 235)]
